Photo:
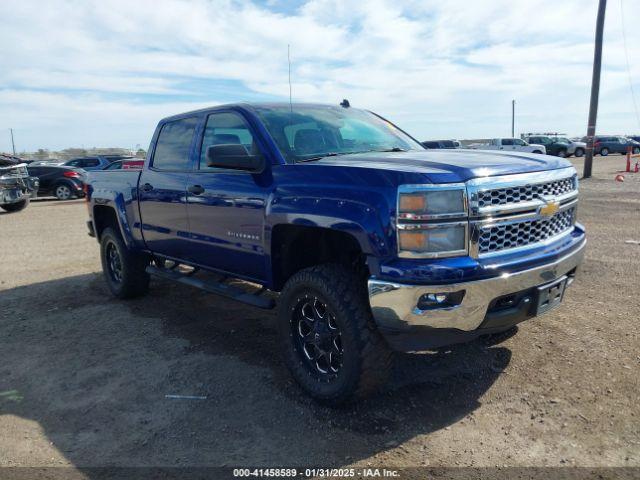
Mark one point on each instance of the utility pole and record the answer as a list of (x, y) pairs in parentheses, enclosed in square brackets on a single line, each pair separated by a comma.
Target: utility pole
[(595, 90), (513, 119), (13, 145)]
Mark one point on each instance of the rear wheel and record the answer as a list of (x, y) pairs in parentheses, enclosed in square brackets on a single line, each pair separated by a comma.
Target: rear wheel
[(16, 207), (579, 152), (329, 340), (604, 152), (562, 153), (63, 192), (124, 270)]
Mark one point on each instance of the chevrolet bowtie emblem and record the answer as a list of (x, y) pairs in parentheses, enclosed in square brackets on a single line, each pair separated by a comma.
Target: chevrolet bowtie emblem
[(549, 209)]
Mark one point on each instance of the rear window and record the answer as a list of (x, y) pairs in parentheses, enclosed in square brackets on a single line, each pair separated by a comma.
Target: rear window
[(174, 144)]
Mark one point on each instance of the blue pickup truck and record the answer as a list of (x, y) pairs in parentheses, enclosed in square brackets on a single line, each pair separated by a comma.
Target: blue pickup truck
[(365, 241)]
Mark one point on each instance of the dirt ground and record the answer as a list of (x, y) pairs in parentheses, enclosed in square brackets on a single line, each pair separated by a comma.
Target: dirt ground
[(83, 377)]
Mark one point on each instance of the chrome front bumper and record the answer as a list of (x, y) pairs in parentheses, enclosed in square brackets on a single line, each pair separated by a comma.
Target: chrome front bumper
[(394, 305)]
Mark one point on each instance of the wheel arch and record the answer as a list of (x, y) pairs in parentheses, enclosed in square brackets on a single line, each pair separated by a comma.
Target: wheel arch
[(295, 247)]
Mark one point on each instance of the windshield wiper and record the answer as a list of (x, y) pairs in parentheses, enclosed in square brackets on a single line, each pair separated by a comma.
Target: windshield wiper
[(394, 149), (330, 154), (335, 154)]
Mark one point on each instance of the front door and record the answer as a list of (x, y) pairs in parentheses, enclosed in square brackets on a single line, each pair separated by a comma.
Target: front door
[(227, 207), (162, 190)]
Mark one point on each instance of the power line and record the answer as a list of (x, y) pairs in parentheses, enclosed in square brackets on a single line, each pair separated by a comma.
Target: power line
[(626, 55)]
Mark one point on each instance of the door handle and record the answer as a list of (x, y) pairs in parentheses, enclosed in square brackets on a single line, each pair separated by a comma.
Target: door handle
[(147, 187), (196, 189)]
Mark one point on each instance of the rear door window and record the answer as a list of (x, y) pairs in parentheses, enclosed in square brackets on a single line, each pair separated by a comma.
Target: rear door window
[(90, 162), (507, 141), (174, 145)]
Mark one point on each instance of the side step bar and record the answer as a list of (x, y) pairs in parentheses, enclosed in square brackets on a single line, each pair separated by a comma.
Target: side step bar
[(219, 288)]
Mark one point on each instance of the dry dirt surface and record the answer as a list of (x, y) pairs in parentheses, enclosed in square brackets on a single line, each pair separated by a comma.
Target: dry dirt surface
[(83, 376)]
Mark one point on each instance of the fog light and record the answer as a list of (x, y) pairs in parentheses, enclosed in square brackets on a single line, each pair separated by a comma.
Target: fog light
[(430, 301)]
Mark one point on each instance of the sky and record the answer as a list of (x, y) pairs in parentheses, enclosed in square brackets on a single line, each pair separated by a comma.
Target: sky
[(102, 73)]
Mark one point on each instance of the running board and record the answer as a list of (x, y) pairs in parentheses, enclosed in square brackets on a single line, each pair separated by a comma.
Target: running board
[(219, 288)]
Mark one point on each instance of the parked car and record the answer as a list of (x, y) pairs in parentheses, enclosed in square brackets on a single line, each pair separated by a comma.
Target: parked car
[(444, 144), (557, 146), (125, 164), (509, 145), (92, 163), (576, 147), (50, 162), (62, 182), (606, 144), (17, 187), (372, 242)]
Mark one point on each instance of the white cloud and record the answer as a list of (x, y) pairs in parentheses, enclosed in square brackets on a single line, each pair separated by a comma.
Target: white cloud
[(103, 72)]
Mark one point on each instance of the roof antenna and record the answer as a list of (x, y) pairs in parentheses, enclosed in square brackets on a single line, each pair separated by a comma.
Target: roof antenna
[(289, 60), (345, 103)]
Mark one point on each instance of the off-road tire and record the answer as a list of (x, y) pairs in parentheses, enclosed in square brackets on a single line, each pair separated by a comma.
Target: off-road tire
[(134, 280), (16, 207), (366, 358)]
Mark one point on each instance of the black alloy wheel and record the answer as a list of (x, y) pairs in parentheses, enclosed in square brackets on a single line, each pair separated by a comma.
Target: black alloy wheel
[(318, 339), (114, 262)]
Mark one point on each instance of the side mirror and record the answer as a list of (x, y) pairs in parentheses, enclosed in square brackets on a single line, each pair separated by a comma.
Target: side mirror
[(234, 157)]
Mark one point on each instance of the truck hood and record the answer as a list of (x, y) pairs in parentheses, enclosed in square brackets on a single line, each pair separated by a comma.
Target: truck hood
[(447, 166)]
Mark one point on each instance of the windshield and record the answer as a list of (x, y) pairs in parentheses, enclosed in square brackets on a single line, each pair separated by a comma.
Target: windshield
[(307, 133)]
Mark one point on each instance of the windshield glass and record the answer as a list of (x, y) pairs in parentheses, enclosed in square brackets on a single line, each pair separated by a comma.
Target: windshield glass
[(311, 132)]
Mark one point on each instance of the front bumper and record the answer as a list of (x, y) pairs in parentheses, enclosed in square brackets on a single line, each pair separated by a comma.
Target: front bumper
[(406, 327)]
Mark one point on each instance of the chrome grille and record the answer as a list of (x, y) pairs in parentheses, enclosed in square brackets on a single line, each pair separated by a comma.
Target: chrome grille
[(513, 235), (525, 193), (512, 211)]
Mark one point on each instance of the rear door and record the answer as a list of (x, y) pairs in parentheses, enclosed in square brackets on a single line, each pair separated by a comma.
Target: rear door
[(162, 189), (507, 144), (227, 207), (46, 176)]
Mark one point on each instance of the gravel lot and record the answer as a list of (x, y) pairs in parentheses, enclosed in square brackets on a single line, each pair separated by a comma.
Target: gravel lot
[(83, 377)]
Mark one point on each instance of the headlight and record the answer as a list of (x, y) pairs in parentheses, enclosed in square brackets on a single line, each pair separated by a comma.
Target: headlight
[(436, 239), (431, 202), (432, 221)]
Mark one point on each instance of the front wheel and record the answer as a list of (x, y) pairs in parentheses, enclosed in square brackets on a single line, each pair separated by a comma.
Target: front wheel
[(636, 150), (604, 152), (579, 152), (562, 153), (16, 207), (328, 337), (124, 270)]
